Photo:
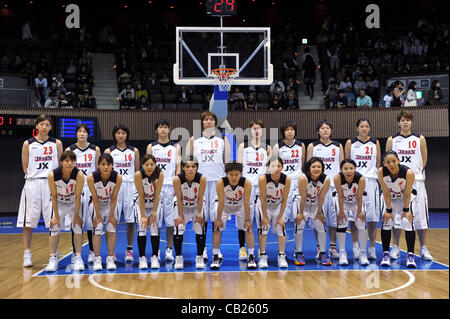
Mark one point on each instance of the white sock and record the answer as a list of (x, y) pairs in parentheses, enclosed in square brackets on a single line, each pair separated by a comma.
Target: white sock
[(363, 236), (341, 240), (322, 238), (251, 251), (299, 240), (216, 251)]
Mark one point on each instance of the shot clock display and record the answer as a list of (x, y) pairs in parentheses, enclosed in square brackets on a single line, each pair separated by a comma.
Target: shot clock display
[(221, 7)]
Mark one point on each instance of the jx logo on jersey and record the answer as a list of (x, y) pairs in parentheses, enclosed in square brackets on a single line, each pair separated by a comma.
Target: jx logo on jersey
[(290, 168), (405, 159), (123, 171), (162, 166), (252, 170), (208, 158), (362, 164), (43, 166)]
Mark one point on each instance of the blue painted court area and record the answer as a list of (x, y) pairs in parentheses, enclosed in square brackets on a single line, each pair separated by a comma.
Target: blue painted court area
[(229, 249)]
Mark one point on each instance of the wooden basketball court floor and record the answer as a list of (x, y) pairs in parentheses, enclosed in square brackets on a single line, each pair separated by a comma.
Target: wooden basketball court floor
[(233, 281)]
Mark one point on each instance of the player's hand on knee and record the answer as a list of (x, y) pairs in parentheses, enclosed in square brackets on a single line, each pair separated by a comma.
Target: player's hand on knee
[(321, 217), (112, 220), (361, 216), (200, 220), (144, 221), (248, 225), (281, 221), (299, 218), (54, 221), (408, 216), (218, 225), (177, 221), (151, 220), (386, 218), (265, 223), (341, 218), (78, 221)]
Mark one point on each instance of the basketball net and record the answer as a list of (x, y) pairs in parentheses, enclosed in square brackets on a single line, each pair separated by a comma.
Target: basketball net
[(224, 77)]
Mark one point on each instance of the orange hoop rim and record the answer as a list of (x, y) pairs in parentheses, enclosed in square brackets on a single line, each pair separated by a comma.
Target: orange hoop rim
[(224, 72)]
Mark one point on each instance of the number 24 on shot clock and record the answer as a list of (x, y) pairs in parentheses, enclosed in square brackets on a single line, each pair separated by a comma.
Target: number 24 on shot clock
[(221, 7)]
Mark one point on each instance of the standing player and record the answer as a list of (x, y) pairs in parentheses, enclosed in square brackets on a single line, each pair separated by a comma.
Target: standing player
[(396, 182), (366, 152), (331, 153), (126, 163), (39, 157), (149, 182), (313, 187), (412, 150), (212, 151), (167, 156), (272, 200), (87, 158), (233, 198), (189, 205), (350, 199), (104, 185), (66, 185), (253, 155)]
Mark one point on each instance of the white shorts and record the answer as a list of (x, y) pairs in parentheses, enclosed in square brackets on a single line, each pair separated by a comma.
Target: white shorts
[(210, 197), (350, 209), (371, 202), (309, 212), (253, 199), (34, 200), (167, 195), (104, 212), (329, 208), (142, 230), (125, 201), (85, 201), (240, 216), (289, 211), (190, 214), (419, 207), (65, 212), (397, 211), (272, 214)]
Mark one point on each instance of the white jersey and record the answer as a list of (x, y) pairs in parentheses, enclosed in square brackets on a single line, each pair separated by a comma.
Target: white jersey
[(274, 191), (124, 162), (365, 156), (292, 158), (396, 186), (254, 162), (408, 150), (104, 191), (190, 190), (329, 154), (350, 190), (314, 188), (233, 196), (42, 158), (85, 158), (166, 156), (65, 190), (149, 190), (209, 153)]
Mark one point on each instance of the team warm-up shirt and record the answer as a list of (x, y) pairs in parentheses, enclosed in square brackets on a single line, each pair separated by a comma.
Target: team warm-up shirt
[(233, 196), (314, 188), (104, 191), (350, 189), (65, 189), (166, 155), (254, 162), (190, 190), (124, 162), (209, 153), (85, 159), (43, 158), (274, 191), (395, 186), (329, 155), (292, 158), (408, 151), (149, 189), (365, 156)]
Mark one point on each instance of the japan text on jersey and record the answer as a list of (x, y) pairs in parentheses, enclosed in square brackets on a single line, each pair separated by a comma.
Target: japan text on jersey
[(85, 158), (365, 156), (254, 162), (408, 151), (149, 189), (124, 162), (209, 153), (65, 189), (329, 154), (165, 155), (292, 158), (350, 190), (43, 158), (190, 190), (233, 195), (104, 190), (314, 188), (396, 186), (274, 191)]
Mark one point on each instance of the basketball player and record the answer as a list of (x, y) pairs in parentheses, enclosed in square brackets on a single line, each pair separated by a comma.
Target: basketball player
[(40, 156), (253, 155), (66, 185), (149, 182), (104, 185), (189, 205), (233, 198), (167, 156), (271, 203), (126, 163), (212, 151), (331, 153), (396, 182), (313, 187), (351, 199), (412, 151), (87, 158), (366, 152)]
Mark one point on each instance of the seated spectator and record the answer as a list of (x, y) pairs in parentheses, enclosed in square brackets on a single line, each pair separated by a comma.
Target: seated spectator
[(125, 91), (288, 90), (435, 95), (142, 103), (58, 79), (330, 94), (362, 59), (276, 103), (62, 100), (411, 97), (407, 68), (53, 88), (140, 91), (357, 73), (387, 99), (340, 101), (51, 101), (184, 95), (360, 84), (85, 77), (250, 103), (293, 84), (26, 31), (124, 77), (272, 88), (71, 67), (40, 86), (153, 85), (237, 100), (87, 101), (397, 91), (372, 88), (347, 87), (363, 100), (291, 102), (129, 102)]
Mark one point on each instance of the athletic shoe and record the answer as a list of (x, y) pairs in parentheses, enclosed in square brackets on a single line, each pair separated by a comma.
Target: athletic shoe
[(220, 256), (343, 261), (372, 253), (169, 254), (205, 253), (317, 252), (154, 262), (251, 262), (410, 262), (159, 255), (179, 262), (425, 254), (386, 260), (110, 264), (115, 258), (299, 259), (199, 262), (78, 264), (363, 261), (282, 263), (27, 260), (395, 252), (52, 264), (243, 254), (143, 262), (97, 263), (325, 260), (356, 252), (262, 263), (91, 256), (215, 264), (72, 258), (333, 252), (129, 255)]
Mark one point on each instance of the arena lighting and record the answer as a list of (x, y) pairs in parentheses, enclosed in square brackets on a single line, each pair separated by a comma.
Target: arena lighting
[(304, 41)]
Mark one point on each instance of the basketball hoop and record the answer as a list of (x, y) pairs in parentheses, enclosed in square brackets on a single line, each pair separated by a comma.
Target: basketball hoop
[(224, 77)]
